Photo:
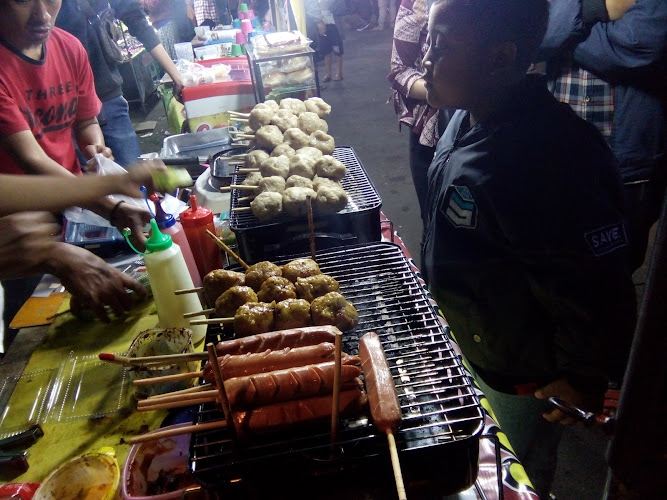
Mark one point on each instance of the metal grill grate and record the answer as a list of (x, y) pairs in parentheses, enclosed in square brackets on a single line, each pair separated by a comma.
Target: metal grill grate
[(436, 396), (362, 195)]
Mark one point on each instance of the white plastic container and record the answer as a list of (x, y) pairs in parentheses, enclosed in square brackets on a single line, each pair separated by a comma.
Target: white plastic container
[(167, 273)]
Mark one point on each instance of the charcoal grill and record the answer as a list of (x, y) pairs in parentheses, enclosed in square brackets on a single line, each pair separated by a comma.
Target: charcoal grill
[(442, 418), (358, 222)]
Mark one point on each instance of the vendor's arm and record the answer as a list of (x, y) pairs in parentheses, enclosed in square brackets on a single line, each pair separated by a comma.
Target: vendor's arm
[(90, 139), (405, 78)]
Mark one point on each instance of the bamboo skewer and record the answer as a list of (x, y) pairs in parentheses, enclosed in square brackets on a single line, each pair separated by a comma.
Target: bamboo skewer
[(199, 313), (189, 290), (169, 397), (238, 113), (212, 321), (242, 135), (311, 226), (189, 390), (241, 209), (396, 465), (177, 403), (220, 383), (228, 250), (167, 378), (335, 409), (160, 434), (153, 360), (239, 157), (247, 170), (238, 186)]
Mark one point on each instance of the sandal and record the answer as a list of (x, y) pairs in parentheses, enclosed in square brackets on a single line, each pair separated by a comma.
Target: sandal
[(326, 78), (337, 78)]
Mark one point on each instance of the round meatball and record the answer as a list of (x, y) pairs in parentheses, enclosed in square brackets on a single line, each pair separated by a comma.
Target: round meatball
[(302, 165), (317, 105), (271, 104), (273, 183), (255, 158), (276, 288), (292, 313), (275, 165), (253, 318), (296, 106), (227, 304), (330, 199), (334, 309), (300, 268), (260, 117), (284, 119), (323, 141), (310, 122), (267, 206), (330, 167), (310, 151), (283, 150), (296, 138), (258, 273), (268, 137), (219, 281), (315, 286), (252, 179), (298, 181), (318, 182), (295, 200)]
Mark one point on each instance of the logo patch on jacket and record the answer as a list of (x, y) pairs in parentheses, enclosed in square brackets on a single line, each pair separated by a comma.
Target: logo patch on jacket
[(606, 239), (459, 207)]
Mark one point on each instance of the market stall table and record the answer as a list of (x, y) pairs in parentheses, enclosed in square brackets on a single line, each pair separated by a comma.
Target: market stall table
[(73, 431)]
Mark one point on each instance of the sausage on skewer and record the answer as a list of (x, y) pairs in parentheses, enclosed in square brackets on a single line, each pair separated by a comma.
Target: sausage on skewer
[(296, 337)]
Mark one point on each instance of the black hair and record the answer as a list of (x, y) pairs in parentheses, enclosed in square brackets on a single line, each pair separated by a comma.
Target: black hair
[(523, 22)]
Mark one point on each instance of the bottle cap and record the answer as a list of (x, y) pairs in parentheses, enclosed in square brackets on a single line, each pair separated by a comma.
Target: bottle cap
[(163, 219), (157, 241), (196, 216)]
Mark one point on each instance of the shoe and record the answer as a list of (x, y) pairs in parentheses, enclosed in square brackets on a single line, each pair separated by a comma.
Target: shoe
[(378, 28), (364, 27), (337, 78), (327, 78)]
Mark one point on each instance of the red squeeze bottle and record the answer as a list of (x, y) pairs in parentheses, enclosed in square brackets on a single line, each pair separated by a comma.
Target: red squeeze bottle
[(195, 221)]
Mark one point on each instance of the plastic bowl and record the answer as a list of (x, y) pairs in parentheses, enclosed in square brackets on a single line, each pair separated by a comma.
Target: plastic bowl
[(158, 341), (93, 476), (156, 465)]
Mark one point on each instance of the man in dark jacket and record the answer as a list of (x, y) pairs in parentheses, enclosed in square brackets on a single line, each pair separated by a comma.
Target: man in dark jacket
[(606, 59), (114, 119), (524, 240)]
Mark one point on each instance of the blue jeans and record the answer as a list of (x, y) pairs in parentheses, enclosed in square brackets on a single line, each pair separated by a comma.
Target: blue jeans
[(534, 439), (118, 131)]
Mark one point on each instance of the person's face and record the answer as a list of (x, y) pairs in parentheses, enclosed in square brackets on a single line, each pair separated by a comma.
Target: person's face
[(27, 23), (455, 63)]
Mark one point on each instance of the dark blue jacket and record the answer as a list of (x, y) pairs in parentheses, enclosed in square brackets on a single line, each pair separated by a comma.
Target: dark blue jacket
[(630, 55), (524, 244)]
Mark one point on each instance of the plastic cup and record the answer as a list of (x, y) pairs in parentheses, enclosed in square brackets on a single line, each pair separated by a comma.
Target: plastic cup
[(236, 50), (250, 14), (246, 26), (255, 23), (243, 7), (236, 23), (241, 38)]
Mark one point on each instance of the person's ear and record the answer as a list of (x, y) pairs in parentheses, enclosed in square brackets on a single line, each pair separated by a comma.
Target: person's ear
[(503, 56)]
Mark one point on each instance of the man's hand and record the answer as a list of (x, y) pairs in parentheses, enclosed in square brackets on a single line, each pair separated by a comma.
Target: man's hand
[(140, 174), (617, 8), (94, 282), (563, 390), (26, 240), (92, 149), (135, 218)]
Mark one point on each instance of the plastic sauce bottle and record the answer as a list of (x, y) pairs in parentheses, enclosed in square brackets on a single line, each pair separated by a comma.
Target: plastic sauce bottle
[(167, 273), (196, 220), (168, 225)]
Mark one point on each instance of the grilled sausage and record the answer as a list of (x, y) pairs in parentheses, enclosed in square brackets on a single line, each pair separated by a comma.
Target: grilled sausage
[(246, 364), (285, 385), (384, 405), (297, 337), (281, 415)]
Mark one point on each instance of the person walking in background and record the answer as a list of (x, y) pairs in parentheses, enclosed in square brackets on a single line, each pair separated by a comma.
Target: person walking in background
[(169, 18), (606, 59), (406, 75), (77, 18), (383, 7), (326, 34), (524, 246)]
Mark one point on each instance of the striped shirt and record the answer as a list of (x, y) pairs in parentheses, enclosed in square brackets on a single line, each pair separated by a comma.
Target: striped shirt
[(205, 9)]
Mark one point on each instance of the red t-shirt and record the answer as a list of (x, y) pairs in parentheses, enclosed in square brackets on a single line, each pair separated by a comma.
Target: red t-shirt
[(46, 97)]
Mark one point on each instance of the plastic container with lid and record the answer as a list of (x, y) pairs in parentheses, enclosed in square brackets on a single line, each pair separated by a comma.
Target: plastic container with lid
[(196, 220), (167, 273), (169, 225)]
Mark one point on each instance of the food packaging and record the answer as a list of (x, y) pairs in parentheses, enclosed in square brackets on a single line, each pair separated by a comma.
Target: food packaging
[(93, 476), (158, 470), (159, 341)]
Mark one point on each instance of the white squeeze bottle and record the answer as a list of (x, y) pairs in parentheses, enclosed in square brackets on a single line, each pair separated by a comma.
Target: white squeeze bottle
[(167, 272)]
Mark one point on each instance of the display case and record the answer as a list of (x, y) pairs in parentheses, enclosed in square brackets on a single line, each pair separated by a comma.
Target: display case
[(283, 75)]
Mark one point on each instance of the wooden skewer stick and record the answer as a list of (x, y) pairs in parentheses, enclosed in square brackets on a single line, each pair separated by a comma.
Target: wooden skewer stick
[(177, 403), (151, 436), (239, 119), (228, 250), (335, 409), (247, 170), (212, 321), (242, 187), (169, 397), (189, 390), (311, 226), (241, 209), (199, 313), (238, 157), (220, 384), (153, 360), (238, 113), (243, 135), (167, 378), (396, 465), (189, 290), (245, 199)]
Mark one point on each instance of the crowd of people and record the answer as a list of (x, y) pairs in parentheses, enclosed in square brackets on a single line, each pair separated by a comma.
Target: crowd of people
[(537, 151)]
